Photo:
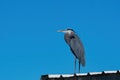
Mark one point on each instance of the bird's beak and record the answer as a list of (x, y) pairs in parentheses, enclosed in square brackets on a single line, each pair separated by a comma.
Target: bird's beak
[(61, 31)]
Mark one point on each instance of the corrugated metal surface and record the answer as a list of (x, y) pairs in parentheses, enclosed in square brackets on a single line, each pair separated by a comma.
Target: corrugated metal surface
[(105, 75)]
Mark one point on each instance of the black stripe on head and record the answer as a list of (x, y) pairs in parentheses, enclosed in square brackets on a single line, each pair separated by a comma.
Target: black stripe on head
[(71, 29)]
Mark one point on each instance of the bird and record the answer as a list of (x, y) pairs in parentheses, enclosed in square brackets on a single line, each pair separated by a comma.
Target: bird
[(76, 47)]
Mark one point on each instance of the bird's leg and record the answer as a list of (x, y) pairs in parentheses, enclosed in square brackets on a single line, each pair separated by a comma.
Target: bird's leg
[(79, 67), (75, 66)]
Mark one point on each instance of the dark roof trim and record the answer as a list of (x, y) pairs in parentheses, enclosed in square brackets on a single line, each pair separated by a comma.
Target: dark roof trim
[(78, 74)]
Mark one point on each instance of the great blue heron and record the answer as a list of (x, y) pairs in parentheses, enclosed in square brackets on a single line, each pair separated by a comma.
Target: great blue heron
[(75, 45)]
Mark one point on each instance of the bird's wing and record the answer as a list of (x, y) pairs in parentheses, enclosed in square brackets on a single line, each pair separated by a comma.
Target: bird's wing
[(78, 49)]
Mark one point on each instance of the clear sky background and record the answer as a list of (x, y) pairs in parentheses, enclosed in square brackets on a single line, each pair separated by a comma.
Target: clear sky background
[(30, 45)]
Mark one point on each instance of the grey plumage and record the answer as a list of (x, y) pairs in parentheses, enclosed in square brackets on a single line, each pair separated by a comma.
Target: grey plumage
[(75, 45), (77, 48)]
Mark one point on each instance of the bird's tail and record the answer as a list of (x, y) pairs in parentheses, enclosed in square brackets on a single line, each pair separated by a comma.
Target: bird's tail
[(82, 61)]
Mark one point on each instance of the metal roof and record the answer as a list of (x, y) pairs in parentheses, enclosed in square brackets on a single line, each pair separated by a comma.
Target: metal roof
[(104, 75)]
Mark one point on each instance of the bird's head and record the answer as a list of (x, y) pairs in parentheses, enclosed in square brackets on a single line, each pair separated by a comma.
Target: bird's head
[(67, 31)]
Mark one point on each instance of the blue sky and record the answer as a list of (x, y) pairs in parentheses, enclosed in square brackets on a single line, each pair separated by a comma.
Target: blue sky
[(30, 45)]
